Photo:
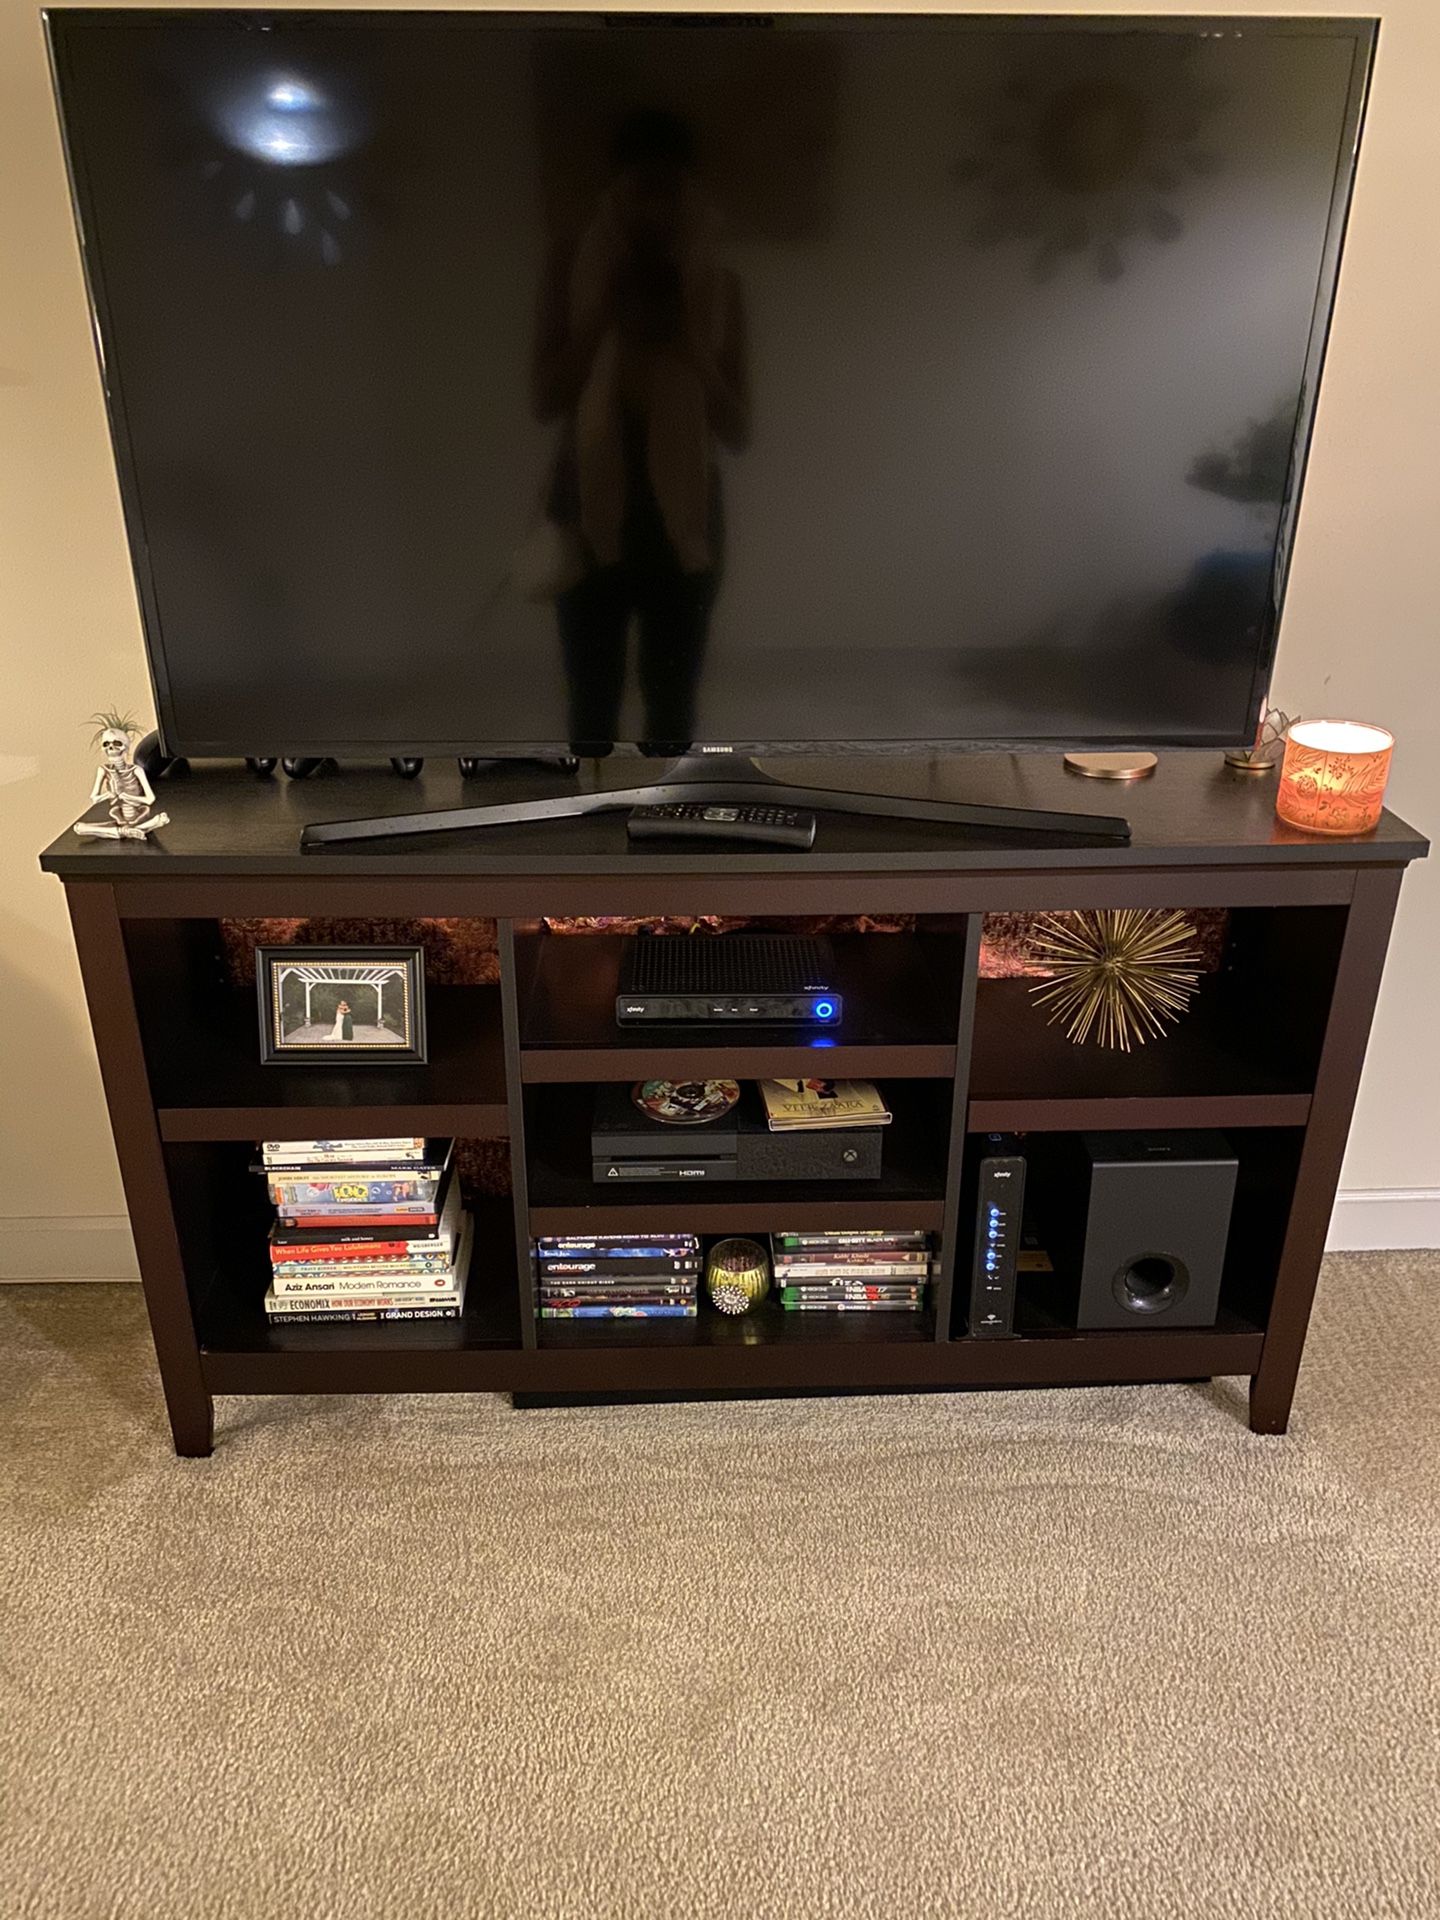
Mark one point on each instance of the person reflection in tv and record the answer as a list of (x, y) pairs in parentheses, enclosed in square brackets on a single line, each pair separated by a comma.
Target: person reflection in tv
[(640, 351)]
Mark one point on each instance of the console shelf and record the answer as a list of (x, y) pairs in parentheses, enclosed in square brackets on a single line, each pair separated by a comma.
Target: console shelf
[(565, 1199), (768, 1326), (1211, 1070), (1270, 1053), (868, 1362), (900, 1012), (230, 1318), (209, 1083)]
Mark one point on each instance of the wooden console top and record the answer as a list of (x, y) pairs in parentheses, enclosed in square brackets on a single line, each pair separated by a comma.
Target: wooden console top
[(1193, 812)]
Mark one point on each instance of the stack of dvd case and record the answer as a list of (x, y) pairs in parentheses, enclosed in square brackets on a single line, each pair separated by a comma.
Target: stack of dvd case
[(365, 1230), (864, 1271), (617, 1276)]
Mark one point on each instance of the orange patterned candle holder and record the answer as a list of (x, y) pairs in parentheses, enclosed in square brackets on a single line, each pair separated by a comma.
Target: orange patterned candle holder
[(1334, 774)]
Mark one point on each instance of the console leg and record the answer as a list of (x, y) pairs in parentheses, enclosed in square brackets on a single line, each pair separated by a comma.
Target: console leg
[(192, 1424), (1270, 1402)]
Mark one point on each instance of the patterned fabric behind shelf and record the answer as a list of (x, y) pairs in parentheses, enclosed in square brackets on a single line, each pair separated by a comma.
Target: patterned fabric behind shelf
[(458, 953), (1009, 951), (719, 923), (461, 953)]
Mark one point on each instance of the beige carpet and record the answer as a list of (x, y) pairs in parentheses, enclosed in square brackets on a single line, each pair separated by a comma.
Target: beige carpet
[(1092, 1653)]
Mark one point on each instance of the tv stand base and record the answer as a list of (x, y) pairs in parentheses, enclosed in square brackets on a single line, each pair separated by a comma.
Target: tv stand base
[(722, 782)]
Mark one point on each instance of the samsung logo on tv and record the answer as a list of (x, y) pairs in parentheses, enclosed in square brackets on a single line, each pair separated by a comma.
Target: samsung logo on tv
[(717, 749)]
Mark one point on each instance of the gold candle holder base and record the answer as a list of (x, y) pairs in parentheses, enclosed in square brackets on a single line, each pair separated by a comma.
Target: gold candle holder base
[(1112, 766), (1243, 763)]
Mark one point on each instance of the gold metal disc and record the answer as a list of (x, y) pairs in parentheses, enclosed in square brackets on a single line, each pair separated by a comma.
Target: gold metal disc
[(1240, 764), (1112, 766)]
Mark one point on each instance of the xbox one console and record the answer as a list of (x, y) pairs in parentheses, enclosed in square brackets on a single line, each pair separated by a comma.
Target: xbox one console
[(626, 1144), (745, 979)]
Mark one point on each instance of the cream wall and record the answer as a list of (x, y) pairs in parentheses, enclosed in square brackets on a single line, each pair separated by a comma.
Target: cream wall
[(1357, 639)]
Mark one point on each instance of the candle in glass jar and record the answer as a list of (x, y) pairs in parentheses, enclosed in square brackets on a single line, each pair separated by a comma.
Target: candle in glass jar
[(1333, 777)]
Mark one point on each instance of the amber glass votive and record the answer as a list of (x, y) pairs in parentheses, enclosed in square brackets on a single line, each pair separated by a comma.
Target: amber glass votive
[(1334, 774)]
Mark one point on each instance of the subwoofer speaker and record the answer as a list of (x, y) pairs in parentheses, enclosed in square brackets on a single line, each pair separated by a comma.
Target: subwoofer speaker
[(1157, 1219)]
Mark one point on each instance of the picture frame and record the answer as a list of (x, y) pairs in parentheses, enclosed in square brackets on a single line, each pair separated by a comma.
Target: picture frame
[(341, 1006)]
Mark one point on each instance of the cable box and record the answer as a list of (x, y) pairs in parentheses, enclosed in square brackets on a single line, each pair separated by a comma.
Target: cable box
[(626, 1145), (750, 979)]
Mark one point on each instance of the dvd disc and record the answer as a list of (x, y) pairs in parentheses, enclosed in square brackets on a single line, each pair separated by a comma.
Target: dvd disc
[(685, 1103)]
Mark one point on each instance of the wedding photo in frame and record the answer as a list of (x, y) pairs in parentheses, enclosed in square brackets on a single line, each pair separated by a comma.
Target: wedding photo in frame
[(320, 1004)]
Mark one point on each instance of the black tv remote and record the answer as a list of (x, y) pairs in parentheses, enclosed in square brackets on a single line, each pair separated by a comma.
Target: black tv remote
[(690, 820)]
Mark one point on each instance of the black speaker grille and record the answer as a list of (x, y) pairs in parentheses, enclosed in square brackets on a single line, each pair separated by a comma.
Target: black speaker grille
[(725, 963)]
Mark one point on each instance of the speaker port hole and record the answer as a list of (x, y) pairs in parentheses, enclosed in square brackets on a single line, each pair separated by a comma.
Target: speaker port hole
[(1151, 1282)]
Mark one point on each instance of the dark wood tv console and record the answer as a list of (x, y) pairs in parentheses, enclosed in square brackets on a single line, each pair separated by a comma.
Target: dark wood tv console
[(1271, 1052)]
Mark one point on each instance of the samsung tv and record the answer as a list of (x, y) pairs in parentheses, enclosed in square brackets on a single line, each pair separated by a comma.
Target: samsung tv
[(514, 384)]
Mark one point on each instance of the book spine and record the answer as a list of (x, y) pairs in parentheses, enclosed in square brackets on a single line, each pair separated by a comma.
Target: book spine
[(624, 1308), (284, 1149), (312, 1222), (356, 1248), (358, 1190), (849, 1306), (854, 1256), (824, 1292), (859, 1241), (603, 1266), (819, 1271), (349, 1262), (559, 1296), (351, 1296), (618, 1313), (609, 1257), (402, 1291), (648, 1243), (306, 1164), (353, 1316), (619, 1283), (348, 1259)]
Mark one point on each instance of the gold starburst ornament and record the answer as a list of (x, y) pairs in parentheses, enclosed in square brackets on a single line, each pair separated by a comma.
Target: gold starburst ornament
[(1119, 975)]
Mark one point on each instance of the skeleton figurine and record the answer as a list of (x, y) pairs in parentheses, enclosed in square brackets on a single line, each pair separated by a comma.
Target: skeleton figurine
[(120, 782)]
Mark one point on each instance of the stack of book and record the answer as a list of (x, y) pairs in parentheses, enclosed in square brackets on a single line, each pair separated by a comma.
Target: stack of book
[(617, 1276), (366, 1230), (862, 1271)]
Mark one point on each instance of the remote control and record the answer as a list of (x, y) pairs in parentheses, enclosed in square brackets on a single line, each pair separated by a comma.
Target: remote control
[(766, 826)]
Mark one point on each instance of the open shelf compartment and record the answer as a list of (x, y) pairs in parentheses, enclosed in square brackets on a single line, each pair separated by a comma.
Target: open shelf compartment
[(209, 1083), (565, 1198), (224, 1217), (901, 995), (1047, 1293), (1243, 1054)]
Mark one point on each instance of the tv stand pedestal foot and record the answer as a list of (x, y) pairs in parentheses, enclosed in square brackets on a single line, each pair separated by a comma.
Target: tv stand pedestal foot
[(718, 780)]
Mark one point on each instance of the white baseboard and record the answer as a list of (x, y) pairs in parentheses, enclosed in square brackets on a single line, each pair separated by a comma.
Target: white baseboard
[(99, 1247), (67, 1247), (1375, 1218)]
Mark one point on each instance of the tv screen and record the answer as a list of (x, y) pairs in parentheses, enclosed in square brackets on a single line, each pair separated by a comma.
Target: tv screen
[(489, 382)]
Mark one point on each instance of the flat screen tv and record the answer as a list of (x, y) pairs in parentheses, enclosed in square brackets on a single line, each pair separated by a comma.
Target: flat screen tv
[(494, 383)]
